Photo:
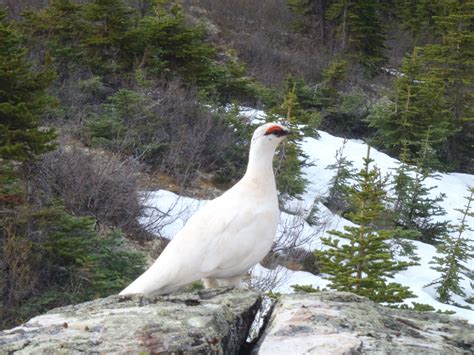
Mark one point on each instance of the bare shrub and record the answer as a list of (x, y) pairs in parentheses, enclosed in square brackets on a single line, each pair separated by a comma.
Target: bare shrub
[(164, 126), (240, 15), (91, 184), (197, 140), (292, 250), (261, 32), (158, 216), (295, 234), (265, 280)]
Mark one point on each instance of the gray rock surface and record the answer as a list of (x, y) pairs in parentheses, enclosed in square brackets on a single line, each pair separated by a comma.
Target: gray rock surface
[(205, 322), (218, 321), (343, 323)]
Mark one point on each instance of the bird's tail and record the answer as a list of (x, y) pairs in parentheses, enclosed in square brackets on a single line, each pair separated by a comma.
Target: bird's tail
[(150, 281)]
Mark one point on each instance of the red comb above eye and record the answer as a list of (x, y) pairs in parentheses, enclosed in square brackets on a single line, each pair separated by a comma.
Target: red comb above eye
[(273, 129)]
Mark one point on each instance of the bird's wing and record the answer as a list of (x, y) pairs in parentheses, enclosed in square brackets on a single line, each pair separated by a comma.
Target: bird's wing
[(224, 232), (222, 249)]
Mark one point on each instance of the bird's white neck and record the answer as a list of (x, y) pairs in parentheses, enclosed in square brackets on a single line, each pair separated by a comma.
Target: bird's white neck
[(260, 165)]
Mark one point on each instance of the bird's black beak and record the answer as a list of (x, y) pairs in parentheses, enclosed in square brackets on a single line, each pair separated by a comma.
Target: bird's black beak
[(284, 133)]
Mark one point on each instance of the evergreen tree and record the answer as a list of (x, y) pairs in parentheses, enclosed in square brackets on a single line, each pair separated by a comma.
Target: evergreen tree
[(23, 99), (288, 175), (360, 30), (413, 208), (418, 106), (454, 253), (60, 27), (303, 11), (163, 41), (127, 125), (338, 194), (333, 76), (342, 111), (310, 17), (417, 17), (297, 112), (108, 24), (359, 259), (50, 259), (452, 61)]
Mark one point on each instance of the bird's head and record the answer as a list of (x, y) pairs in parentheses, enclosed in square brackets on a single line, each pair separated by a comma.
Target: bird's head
[(265, 140), (270, 134)]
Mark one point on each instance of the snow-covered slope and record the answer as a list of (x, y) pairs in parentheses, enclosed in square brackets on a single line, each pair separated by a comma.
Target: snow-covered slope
[(322, 153)]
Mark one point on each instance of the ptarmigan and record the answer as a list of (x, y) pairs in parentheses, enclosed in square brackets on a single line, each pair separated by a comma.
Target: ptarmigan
[(230, 234)]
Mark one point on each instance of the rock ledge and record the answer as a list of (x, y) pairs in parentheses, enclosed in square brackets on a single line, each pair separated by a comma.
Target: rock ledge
[(206, 322), (344, 323)]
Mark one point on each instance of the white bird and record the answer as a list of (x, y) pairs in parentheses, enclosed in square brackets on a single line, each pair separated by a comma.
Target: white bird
[(227, 236)]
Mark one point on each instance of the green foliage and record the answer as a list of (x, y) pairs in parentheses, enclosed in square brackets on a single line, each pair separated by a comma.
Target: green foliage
[(360, 30), (168, 128), (342, 112), (412, 206), (120, 124), (169, 47), (11, 189), (302, 9), (109, 127), (51, 258), (452, 61), (418, 106), (313, 215), (454, 253), (228, 81), (288, 174), (108, 22), (448, 312), (108, 38), (290, 157), (347, 117), (415, 210), (434, 90), (92, 86), (274, 295), (300, 106), (164, 42), (60, 24), (235, 159), (333, 76), (339, 185), (421, 307), (305, 288), (23, 99), (417, 17), (195, 286), (359, 259)]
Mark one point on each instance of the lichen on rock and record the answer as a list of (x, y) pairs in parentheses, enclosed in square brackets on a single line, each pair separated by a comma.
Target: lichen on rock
[(344, 323), (212, 322), (217, 321)]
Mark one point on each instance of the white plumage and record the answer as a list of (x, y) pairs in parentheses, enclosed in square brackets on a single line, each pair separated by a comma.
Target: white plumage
[(227, 236)]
